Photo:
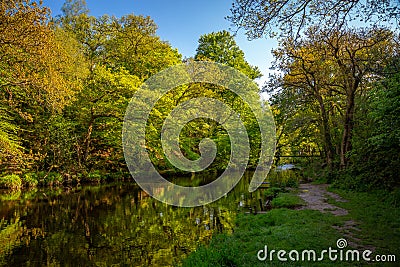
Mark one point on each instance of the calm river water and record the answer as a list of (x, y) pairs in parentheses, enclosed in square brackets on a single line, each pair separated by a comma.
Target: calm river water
[(106, 225)]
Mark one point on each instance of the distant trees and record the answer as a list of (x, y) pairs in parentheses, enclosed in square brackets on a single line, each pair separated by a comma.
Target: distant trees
[(218, 47), (66, 81)]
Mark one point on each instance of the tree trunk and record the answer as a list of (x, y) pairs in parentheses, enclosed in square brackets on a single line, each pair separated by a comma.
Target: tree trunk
[(86, 143), (346, 145), (328, 148)]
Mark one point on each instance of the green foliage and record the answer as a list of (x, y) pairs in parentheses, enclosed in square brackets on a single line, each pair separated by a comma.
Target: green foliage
[(95, 176), (11, 181), (31, 179), (376, 153), (282, 179), (272, 192), (130, 52), (9, 144), (52, 179), (221, 47), (10, 195)]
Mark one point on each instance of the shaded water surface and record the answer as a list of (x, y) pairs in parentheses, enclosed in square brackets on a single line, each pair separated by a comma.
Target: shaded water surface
[(106, 225)]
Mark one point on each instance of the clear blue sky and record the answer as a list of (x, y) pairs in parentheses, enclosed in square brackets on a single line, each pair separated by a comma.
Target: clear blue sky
[(182, 22)]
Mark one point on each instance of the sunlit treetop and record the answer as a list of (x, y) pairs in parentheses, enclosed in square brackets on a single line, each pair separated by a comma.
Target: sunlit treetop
[(221, 47)]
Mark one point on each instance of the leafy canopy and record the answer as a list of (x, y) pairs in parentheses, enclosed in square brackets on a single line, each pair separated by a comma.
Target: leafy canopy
[(290, 17)]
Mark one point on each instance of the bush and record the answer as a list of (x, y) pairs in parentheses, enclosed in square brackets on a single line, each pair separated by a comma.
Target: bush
[(272, 192), (116, 176), (95, 176), (53, 178), (10, 195), (11, 181), (31, 179)]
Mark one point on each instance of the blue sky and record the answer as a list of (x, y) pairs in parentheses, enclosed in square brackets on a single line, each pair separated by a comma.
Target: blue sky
[(182, 22)]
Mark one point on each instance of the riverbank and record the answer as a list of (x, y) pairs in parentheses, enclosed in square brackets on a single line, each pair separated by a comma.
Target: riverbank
[(371, 221)]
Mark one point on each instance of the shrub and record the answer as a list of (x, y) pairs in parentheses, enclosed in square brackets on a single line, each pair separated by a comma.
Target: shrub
[(31, 179), (11, 181), (95, 176), (53, 178), (272, 192)]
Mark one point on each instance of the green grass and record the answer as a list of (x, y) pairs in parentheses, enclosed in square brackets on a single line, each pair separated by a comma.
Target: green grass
[(378, 217), (279, 229), (282, 228), (287, 200)]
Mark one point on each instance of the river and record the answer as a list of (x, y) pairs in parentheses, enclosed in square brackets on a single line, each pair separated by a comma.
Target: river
[(112, 224)]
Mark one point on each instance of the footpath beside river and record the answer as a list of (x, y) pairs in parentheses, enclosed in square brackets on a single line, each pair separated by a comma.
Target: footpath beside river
[(322, 218)]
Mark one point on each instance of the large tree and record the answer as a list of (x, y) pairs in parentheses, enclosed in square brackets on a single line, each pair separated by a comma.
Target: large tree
[(332, 69), (122, 53), (37, 76)]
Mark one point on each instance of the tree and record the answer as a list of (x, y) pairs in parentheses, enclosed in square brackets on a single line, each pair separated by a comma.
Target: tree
[(305, 71), (29, 56), (221, 47), (129, 42), (122, 53), (357, 56), (376, 149), (98, 112), (260, 17), (36, 73), (332, 69), (136, 47), (74, 8)]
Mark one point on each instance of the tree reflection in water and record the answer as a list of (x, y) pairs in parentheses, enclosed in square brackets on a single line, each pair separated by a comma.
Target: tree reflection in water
[(105, 225)]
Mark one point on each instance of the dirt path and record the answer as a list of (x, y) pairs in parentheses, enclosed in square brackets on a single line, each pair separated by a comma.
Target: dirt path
[(316, 197)]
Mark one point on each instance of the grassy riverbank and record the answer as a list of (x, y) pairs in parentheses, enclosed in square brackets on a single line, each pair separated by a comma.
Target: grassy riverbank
[(377, 227)]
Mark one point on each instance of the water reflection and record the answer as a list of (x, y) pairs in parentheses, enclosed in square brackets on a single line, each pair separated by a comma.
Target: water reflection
[(109, 224)]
